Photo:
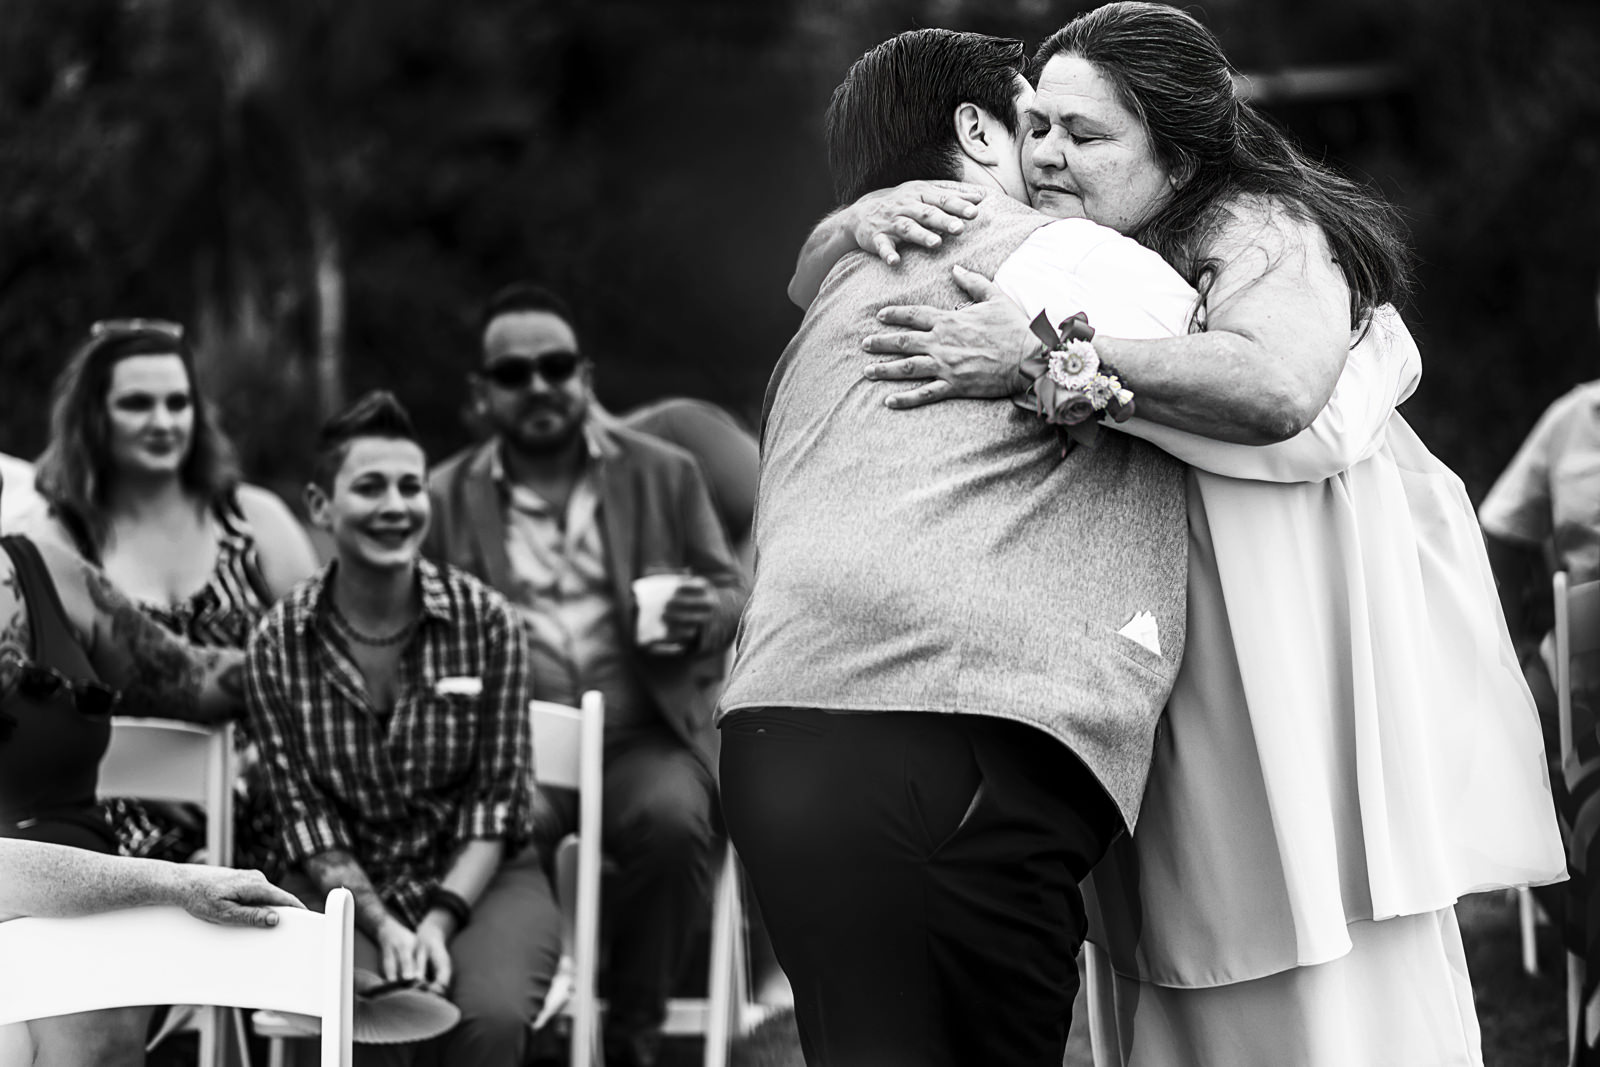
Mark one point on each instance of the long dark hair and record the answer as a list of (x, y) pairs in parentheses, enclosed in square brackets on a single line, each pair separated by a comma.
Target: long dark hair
[(1171, 73), (75, 473)]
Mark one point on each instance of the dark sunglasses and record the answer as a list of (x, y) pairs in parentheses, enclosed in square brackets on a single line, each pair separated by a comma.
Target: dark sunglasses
[(553, 367), (93, 700), (133, 327)]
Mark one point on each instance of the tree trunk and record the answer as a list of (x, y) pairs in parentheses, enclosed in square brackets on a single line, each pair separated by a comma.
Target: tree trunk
[(328, 272)]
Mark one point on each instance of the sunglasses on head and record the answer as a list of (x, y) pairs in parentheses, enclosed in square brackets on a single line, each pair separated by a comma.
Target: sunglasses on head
[(134, 327), (93, 700), (554, 367)]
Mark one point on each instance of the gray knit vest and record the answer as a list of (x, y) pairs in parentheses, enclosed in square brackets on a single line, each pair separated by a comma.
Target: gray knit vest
[(951, 558)]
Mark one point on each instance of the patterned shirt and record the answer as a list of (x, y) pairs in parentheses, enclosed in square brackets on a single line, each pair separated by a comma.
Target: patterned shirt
[(400, 790), (561, 583)]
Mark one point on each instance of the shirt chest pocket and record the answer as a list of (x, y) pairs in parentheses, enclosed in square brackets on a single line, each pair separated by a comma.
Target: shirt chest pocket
[(441, 742)]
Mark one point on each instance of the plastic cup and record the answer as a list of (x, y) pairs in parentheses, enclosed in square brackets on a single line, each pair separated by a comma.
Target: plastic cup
[(651, 594)]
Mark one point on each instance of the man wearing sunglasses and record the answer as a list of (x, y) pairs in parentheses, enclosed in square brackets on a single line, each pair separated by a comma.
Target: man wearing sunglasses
[(562, 511)]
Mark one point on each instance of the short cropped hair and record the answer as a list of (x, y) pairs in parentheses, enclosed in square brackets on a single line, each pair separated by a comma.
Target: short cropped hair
[(377, 414), (892, 118), (521, 297)]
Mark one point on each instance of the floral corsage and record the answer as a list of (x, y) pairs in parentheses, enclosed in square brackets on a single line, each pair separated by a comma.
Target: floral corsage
[(1068, 384)]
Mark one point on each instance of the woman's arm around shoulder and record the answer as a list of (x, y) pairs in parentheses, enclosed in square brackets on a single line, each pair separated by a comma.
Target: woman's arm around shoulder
[(287, 557)]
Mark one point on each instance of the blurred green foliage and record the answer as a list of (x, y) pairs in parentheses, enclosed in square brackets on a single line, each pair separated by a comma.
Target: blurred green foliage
[(324, 189)]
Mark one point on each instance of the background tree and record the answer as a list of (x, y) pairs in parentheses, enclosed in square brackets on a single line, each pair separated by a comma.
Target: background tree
[(324, 189)]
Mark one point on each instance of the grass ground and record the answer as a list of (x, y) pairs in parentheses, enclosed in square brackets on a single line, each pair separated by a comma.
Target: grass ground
[(1521, 1016)]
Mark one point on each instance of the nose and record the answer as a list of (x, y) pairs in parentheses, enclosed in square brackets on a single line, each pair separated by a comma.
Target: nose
[(161, 416), (1049, 151)]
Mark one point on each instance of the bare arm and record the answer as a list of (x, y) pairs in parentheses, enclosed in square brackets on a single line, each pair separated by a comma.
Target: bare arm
[(1278, 333), (156, 673), (337, 868), (468, 877), (54, 881), (287, 556)]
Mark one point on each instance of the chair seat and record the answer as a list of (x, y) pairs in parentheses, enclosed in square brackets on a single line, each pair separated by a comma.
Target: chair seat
[(285, 1025)]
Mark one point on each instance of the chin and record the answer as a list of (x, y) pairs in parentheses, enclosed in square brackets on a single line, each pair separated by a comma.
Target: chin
[(380, 558)]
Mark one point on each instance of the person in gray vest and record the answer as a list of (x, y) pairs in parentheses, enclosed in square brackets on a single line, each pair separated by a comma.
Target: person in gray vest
[(961, 634)]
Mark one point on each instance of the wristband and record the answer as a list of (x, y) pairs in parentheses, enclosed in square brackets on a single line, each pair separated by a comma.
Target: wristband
[(452, 903), (1068, 384)]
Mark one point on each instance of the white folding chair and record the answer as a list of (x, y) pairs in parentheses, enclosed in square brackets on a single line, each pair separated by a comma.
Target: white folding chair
[(1577, 632), (568, 750), (185, 763), (164, 956), (568, 747)]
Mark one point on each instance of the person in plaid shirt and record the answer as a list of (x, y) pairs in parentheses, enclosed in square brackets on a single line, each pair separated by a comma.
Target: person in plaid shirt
[(390, 698)]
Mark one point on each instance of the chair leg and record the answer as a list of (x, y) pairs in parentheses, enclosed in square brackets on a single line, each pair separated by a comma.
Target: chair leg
[(723, 984), (1575, 1012), (275, 1052), (1528, 919)]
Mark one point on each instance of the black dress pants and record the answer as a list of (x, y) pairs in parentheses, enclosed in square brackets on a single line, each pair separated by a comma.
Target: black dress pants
[(918, 874)]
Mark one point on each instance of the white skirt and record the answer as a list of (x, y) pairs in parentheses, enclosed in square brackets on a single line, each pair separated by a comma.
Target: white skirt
[(1400, 998)]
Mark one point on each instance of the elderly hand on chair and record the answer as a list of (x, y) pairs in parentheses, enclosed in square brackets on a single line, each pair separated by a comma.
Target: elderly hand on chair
[(228, 897)]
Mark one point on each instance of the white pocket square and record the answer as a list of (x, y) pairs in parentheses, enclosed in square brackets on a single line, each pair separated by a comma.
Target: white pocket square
[(458, 686), (1142, 630)]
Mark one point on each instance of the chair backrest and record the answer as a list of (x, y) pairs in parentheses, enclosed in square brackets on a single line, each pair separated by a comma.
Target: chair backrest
[(1577, 632), (557, 744), (569, 753), (162, 955), (164, 759)]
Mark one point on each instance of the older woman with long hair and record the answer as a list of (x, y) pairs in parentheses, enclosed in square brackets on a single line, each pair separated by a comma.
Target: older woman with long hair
[(1349, 747), (141, 481)]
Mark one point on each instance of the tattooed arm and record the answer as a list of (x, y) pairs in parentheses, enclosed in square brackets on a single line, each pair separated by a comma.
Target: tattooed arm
[(396, 942), (156, 672)]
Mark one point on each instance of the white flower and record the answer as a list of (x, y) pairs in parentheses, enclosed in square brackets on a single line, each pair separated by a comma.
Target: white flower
[(1074, 365), (1124, 397), (1101, 390)]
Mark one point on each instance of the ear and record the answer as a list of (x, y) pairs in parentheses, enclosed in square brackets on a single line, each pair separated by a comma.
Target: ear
[(977, 134), (318, 505)]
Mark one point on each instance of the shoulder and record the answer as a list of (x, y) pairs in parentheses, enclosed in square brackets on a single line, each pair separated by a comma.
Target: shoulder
[(648, 451), (1254, 223), (454, 466), (282, 544), (469, 597), (269, 518)]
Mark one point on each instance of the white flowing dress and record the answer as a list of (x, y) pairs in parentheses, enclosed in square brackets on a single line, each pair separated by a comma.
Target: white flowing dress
[(1350, 748)]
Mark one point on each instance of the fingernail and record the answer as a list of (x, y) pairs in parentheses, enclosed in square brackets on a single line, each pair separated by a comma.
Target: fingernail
[(956, 227)]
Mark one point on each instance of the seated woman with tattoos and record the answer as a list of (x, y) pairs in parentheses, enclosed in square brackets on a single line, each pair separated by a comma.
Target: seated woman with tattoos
[(389, 697), (74, 651)]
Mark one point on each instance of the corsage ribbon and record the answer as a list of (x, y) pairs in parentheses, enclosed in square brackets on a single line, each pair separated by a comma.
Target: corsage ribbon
[(1068, 384)]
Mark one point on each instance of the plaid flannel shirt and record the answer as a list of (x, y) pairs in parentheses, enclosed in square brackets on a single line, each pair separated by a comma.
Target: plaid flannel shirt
[(400, 791)]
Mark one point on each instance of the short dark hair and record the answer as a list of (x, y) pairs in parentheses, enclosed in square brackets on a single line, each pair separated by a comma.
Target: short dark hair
[(891, 119), (519, 297), (377, 414), (1169, 70)]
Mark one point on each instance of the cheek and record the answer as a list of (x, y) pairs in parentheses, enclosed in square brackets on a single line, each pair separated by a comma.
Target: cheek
[(122, 428)]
